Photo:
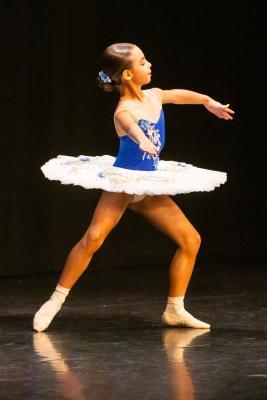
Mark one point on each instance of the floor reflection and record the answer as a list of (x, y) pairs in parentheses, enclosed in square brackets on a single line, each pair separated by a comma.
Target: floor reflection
[(109, 342), (68, 383), (176, 341)]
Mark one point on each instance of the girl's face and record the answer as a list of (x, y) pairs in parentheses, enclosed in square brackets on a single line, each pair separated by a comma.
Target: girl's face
[(141, 68)]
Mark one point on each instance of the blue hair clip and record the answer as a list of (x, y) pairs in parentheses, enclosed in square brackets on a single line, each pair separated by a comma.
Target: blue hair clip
[(104, 77)]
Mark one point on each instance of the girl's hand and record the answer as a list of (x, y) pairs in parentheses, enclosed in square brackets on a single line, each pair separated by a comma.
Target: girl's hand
[(220, 110), (147, 145)]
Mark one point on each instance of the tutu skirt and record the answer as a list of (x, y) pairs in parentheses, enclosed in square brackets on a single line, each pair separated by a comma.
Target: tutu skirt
[(97, 172)]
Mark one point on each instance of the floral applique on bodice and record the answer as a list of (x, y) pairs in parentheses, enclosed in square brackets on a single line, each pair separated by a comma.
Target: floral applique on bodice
[(153, 134)]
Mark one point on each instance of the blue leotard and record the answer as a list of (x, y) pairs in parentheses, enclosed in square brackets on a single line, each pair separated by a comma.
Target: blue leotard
[(130, 156)]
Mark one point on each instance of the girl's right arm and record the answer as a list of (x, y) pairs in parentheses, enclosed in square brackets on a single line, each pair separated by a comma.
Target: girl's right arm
[(131, 128)]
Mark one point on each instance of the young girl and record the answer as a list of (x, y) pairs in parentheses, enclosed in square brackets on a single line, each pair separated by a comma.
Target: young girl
[(136, 179)]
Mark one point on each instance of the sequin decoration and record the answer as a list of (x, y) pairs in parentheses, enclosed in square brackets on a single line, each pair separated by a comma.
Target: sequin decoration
[(153, 135)]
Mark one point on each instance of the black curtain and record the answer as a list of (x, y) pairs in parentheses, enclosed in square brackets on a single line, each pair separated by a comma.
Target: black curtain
[(50, 105)]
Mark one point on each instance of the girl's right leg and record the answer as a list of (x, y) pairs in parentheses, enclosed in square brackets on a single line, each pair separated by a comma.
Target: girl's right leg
[(108, 212)]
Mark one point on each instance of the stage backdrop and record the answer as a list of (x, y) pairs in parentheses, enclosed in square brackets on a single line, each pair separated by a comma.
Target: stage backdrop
[(51, 105)]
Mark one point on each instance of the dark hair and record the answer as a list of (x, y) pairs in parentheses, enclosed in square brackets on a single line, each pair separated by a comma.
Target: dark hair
[(115, 59)]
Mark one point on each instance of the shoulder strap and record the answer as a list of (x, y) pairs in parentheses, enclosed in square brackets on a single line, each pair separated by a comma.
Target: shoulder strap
[(127, 109)]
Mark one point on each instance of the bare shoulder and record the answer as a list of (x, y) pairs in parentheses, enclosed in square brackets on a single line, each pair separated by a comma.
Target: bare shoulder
[(158, 92), (165, 95), (122, 120), (123, 114)]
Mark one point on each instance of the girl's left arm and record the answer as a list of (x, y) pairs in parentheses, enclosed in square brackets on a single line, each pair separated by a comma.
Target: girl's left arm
[(183, 96)]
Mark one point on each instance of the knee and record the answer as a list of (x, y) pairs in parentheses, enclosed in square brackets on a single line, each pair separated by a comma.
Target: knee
[(191, 243), (92, 239)]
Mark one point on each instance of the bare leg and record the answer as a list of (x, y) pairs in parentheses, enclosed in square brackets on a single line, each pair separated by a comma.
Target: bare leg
[(163, 213), (108, 212), (181, 269)]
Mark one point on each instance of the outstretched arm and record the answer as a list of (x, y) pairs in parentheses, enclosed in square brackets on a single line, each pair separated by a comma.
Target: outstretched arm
[(183, 96)]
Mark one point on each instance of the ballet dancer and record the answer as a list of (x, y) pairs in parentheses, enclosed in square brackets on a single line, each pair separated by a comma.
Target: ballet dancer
[(136, 179)]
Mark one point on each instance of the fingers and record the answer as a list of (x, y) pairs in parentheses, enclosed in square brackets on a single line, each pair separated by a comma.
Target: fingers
[(221, 111), (226, 108), (152, 150), (226, 116), (226, 113), (230, 111), (223, 115)]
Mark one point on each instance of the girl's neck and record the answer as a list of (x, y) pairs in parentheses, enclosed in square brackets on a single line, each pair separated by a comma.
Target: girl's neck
[(132, 92)]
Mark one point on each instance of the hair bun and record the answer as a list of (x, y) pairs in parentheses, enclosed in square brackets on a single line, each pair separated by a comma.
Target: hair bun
[(106, 86)]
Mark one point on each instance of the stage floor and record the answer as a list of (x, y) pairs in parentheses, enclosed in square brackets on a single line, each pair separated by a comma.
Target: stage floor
[(108, 341)]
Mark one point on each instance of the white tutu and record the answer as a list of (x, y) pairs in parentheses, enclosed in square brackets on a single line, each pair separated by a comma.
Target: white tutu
[(97, 172)]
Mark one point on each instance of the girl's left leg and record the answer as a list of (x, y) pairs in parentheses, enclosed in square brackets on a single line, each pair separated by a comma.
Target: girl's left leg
[(163, 213)]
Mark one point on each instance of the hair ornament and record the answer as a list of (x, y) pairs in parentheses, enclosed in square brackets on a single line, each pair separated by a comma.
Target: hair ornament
[(104, 77)]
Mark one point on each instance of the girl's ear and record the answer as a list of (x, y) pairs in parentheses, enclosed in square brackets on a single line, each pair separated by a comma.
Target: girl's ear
[(127, 75)]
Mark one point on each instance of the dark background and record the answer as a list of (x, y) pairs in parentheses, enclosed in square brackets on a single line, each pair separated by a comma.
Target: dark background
[(50, 105)]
